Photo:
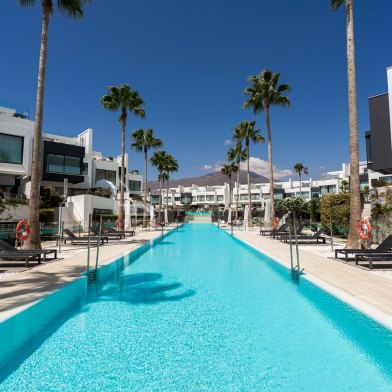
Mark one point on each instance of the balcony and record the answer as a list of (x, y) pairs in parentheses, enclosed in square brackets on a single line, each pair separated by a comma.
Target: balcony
[(14, 109)]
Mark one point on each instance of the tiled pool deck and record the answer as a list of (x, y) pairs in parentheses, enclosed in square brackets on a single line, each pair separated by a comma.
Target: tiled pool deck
[(367, 291), (20, 290)]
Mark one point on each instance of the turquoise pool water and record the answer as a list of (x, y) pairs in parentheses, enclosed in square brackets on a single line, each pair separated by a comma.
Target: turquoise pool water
[(202, 312)]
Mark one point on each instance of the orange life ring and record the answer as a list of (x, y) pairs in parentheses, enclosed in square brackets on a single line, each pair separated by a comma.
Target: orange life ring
[(364, 230), (22, 230), (276, 221)]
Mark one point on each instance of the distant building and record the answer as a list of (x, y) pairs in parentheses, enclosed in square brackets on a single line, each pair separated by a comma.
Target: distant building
[(208, 196)]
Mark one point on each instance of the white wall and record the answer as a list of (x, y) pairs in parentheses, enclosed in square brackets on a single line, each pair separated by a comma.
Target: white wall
[(18, 127)]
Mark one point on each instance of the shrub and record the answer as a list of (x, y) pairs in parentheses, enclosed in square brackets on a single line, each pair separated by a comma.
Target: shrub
[(297, 204), (338, 207), (103, 192), (56, 200), (379, 183), (314, 210), (45, 193), (46, 215)]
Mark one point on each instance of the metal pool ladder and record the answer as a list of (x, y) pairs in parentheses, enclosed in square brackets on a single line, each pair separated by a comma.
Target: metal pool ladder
[(295, 269), (92, 272)]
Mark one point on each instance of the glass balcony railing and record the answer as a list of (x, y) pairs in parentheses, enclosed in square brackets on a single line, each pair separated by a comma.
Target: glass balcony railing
[(14, 109)]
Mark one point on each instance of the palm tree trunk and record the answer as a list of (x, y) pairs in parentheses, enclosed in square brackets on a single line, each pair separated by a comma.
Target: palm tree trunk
[(34, 242), (120, 220), (300, 185), (355, 200), (250, 223), (145, 188), (271, 167), (238, 191), (230, 191)]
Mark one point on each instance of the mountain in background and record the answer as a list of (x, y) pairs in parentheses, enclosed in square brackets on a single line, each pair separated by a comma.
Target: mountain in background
[(215, 178)]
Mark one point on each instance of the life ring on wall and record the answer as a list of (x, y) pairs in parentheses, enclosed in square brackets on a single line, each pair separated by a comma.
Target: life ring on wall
[(22, 230), (364, 230), (276, 221)]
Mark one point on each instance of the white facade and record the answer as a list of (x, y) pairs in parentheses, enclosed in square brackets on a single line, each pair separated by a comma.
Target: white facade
[(330, 182), (20, 128)]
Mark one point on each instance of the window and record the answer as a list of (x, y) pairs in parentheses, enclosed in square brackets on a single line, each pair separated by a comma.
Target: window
[(102, 211), (368, 139), (85, 169), (278, 196), (304, 195), (109, 175), (55, 163), (266, 196), (325, 189), (255, 196), (135, 185), (201, 198), (210, 198), (72, 165), (64, 164), (11, 149), (220, 198), (177, 198), (244, 197)]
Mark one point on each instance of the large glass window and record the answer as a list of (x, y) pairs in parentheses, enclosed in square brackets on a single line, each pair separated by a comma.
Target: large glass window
[(11, 149), (109, 175), (194, 199), (210, 198), (220, 198), (135, 185), (255, 196), (72, 165), (64, 164), (244, 197), (55, 163), (325, 189), (201, 198)]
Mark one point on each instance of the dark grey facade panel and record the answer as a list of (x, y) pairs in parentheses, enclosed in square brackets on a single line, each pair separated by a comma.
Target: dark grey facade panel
[(380, 143)]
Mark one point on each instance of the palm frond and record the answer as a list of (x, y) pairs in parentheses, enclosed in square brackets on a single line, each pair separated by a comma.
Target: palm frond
[(335, 4)]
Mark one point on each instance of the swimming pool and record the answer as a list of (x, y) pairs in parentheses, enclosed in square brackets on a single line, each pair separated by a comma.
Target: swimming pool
[(202, 311)]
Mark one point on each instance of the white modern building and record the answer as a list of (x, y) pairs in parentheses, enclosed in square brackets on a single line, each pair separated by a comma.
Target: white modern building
[(67, 162), (208, 196)]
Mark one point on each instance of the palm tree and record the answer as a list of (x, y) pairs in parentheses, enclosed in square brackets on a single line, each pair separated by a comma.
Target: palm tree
[(249, 134), (237, 155), (122, 98), (228, 169), (264, 92), (144, 140), (171, 166), (159, 160), (74, 9), (355, 200), (299, 168)]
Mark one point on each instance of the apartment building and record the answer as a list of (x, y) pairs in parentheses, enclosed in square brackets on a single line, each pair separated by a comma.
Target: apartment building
[(68, 162), (208, 196)]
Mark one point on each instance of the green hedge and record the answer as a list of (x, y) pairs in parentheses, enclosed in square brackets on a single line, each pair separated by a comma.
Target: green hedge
[(338, 207), (46, 215)]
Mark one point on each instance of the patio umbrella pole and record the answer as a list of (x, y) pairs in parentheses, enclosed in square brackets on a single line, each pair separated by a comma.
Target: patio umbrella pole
[(88, 246)]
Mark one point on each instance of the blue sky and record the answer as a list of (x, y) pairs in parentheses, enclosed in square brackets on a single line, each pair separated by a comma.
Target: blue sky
[(189, 59)]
